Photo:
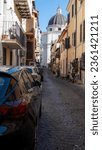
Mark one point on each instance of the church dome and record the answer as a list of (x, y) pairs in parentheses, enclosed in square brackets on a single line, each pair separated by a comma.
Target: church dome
[(57, 19)]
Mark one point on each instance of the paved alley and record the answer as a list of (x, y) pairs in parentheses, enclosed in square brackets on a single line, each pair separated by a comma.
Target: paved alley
[(62, 125)]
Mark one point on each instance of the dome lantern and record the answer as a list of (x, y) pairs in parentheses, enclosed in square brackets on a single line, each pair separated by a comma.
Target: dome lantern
[(59, 11)]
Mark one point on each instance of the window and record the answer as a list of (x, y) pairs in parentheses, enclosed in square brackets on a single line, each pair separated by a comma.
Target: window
[(81, 33), (84, 31), (36, 54), (59, 29), (5, 1), (10, 57), (50, 29), (67, 43), (75, 7), (4, 56), (68, 18), (74, 39), (72, 11), (81, 2), (82, 61)]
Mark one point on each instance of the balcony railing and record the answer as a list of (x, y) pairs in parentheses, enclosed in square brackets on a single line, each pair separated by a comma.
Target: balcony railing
[(24, 7), (11, 30)]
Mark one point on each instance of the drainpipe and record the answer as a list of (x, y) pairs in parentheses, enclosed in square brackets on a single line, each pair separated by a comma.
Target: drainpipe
[(1, 49), (1, 54), (76, 29), (18, 57), (67, 57)]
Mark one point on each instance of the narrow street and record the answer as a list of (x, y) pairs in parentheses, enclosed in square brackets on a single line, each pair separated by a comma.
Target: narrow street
[(62, 123), (61, 126)]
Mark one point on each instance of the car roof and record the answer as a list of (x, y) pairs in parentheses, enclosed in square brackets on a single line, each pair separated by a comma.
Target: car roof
[(14, 70), (6, 75), (10, 69)]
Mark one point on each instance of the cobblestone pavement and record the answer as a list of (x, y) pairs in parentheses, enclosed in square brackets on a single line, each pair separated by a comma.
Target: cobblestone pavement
[(62, 125)]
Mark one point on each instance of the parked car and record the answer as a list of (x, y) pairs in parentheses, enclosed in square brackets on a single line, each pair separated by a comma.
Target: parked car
[(40, 72), (20, 106), (35, 72)]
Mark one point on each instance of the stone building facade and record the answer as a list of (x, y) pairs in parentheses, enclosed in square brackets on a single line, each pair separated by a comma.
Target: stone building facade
[(76, 37), (12, 34), (72, 44), (19, 32)]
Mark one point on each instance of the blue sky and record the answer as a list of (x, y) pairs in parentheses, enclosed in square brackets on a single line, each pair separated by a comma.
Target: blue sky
[(47, 8)]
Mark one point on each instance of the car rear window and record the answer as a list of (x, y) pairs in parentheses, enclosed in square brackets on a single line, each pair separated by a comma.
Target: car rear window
[(4, 83), (16, 91)]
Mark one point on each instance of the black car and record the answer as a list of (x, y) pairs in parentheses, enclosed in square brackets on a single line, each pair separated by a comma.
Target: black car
[(40, 72), (20, 107)]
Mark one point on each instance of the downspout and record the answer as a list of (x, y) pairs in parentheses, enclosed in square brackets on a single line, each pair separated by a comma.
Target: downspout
[(1, 49), (67, 57), (76, 29)]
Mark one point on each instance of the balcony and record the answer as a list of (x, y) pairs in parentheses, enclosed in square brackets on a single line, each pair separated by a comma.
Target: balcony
[(24, 7), (13, 35)]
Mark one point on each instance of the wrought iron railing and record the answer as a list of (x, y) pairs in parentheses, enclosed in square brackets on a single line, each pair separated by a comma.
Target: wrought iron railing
[(14, 31)]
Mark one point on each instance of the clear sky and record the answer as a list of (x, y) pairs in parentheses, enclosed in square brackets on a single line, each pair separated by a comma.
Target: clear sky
[(47, 8)]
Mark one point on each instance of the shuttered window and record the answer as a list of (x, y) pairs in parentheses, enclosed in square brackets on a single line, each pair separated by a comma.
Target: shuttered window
[(72, 11), (81, 33), (84, 31)]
